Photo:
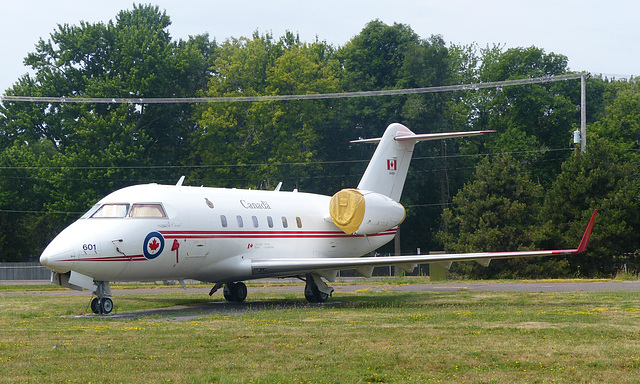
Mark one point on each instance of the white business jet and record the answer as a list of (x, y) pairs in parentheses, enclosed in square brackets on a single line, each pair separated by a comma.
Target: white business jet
[(157, 232)]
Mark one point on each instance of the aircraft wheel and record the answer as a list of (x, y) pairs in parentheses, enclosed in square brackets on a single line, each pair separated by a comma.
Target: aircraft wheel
[(106, 305), (240, 292), (227, 291), (95, 305), (313, 294), (235, 292)]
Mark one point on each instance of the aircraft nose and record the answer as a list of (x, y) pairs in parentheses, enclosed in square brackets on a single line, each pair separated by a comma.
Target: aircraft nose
[(57, 257)]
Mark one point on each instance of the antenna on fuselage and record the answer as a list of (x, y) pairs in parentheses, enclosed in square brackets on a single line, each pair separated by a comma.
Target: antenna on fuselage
[(179, 183)]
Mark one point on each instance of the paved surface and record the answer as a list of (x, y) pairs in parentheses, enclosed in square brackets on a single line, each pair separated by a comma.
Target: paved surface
[(525, 287)]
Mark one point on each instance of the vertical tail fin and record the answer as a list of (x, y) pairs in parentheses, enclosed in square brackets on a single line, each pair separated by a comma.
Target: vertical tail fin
[(387, 170)]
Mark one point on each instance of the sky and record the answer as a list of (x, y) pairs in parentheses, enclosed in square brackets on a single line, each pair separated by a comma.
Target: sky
[(596, 36)]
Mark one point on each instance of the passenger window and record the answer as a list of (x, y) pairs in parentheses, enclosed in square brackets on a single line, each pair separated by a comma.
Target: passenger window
[(284, 222), (147, 210), (299, 222), (255, 221), (240, 222), (223, 221), (111, 211), (270, 221)]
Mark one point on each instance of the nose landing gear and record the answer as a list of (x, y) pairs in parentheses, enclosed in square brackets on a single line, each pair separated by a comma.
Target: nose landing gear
[(101, 304)]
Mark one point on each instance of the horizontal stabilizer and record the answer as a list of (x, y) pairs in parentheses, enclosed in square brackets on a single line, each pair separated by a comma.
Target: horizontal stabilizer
[(425, 136), (387, 170)]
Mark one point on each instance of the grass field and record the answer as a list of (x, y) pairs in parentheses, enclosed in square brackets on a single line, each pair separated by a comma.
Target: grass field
[(361, 337)]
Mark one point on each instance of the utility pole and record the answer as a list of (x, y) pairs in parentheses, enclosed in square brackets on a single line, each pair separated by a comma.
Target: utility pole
[(583, 112), (397, 251)]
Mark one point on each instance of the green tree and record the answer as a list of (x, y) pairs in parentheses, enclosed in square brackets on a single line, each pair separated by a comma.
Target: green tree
[(530, 119), (23, 229), (90, 149), (620, 124), (497, 211), (262, 143), (392, 57), (601, 179)]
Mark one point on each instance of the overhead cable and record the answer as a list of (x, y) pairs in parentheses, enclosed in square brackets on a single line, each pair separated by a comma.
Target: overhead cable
[(315, 96), (274, 164)]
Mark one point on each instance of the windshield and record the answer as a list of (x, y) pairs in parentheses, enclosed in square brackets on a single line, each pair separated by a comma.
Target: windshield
[(147, 210), (122, 210), (111, 211), (90, 212)]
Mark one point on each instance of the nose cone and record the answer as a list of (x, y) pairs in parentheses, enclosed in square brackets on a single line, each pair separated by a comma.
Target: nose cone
[(58, 256)]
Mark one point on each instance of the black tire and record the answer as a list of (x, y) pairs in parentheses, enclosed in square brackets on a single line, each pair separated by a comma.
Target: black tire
[(308, 294), (313, 294), (235, 292), (239, 292), (228, 291), (106, 305), (95, 305), (321, 297)]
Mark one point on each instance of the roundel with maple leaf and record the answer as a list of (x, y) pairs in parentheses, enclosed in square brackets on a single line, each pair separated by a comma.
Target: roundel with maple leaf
[(153, 245)]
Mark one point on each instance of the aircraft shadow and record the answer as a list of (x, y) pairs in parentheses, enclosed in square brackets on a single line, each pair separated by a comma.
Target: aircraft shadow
[(191, 311)]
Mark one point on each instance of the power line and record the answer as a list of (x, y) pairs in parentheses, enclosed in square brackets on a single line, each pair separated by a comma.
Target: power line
[(275, 164), (316, 96)]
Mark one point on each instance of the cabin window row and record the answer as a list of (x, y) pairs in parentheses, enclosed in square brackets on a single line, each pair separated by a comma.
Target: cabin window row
[(256, 223)]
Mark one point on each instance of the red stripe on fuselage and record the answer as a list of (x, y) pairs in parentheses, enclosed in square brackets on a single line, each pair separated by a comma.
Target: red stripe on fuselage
[(111, 258), (238, 235), (265, 234)]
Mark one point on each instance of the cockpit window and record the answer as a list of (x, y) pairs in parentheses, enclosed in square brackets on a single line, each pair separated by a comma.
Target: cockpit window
[(91, 211), (147, 210), (111, 211)]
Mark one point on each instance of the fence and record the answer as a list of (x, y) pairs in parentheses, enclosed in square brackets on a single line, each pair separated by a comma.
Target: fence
[(35, 271), (24, 271)]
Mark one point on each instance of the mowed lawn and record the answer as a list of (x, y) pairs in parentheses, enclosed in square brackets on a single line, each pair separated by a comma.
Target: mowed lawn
[(364, 336)]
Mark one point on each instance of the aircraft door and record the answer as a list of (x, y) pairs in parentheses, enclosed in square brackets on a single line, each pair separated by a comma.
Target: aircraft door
[(193, 247)]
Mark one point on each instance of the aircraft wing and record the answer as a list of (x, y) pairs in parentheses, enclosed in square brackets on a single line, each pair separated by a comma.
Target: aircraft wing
[(295, 266)]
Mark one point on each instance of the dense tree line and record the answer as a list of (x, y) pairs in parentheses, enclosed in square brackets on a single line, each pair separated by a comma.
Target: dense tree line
[(521, 188)]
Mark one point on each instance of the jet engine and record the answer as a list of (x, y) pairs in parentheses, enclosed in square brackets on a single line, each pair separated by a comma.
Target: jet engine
[(364, 212)]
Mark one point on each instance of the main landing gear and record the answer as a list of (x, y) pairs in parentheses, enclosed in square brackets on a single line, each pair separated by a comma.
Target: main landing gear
[(233, 292), (316, 290), (101, 304)]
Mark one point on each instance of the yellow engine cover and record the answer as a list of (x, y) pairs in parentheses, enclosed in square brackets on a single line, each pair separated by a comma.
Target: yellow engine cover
[(347, 209)]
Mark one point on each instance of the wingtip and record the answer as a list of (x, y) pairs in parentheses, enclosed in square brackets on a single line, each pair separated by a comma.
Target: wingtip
[(587, 233)]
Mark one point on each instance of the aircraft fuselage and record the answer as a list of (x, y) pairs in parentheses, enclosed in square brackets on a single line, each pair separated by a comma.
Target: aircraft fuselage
[(160, 232)]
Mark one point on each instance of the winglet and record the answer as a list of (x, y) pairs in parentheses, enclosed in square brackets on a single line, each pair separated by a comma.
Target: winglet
[(587, 234)]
